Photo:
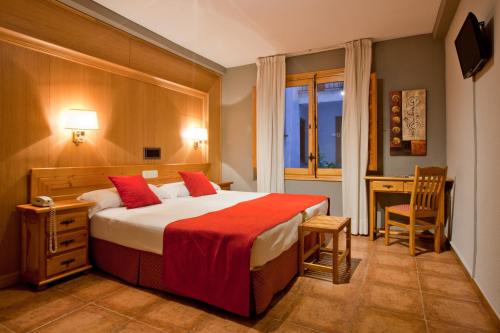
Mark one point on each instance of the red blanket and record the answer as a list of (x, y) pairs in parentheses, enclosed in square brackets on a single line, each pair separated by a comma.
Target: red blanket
[(208, 257)]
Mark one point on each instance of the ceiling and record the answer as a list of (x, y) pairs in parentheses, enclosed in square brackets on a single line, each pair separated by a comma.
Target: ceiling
[(237, 32)]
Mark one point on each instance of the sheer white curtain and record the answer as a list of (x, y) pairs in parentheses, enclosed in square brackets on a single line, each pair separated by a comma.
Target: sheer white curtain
[(358, 60), (271, 80)]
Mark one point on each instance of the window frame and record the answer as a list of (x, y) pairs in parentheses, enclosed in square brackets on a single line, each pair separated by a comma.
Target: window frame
[(324, 77), (312, 79), (314, 173), (373, 141), (309, 81)]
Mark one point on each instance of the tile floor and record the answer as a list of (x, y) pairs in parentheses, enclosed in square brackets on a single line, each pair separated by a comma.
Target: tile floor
[(389, 291)]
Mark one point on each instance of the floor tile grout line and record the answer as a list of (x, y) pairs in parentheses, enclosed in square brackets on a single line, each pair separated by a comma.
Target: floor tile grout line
[(68, 292), (8, 329), (111, 310), (101, 297), (130, 318), (359, 290), (421, 297), (301, 326), (454, 298), (363, 280), (398, 287), (59, 317)]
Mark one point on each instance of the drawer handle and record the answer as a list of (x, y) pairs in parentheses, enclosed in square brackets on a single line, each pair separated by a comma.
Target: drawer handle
[(387, 186), (68, 222), (67, 262), (67, 242)]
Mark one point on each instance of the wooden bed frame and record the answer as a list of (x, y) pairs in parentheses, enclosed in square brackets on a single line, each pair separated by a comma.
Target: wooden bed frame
[(70, 182), (143, 268)]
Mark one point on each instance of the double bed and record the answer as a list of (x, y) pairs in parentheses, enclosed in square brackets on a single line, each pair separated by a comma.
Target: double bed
[(129, 243)]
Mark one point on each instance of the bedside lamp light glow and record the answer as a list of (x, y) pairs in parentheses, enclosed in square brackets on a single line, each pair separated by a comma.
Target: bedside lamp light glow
[(197, 135), (79, 121)]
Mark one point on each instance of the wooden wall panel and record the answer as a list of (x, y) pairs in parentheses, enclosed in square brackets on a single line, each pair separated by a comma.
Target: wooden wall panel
[(67, 27), (133, 112), (151, 59), (214, 135), (53, 22), (24, 135), (132, 115)]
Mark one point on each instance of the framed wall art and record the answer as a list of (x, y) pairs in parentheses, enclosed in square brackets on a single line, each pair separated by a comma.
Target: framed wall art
[(408, 123)]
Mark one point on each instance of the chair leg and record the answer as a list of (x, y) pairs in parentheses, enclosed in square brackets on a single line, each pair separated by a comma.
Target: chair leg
[(437, 237), (412, 238), (387, 228), (301, 251)]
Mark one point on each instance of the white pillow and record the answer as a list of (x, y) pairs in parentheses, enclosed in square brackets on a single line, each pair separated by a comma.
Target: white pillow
[(160, 193), (174, 190), (178, 189), (216, 187), (106, 198)]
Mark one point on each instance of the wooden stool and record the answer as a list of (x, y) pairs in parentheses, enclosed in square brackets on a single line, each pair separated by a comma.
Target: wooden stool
[(323, 225)]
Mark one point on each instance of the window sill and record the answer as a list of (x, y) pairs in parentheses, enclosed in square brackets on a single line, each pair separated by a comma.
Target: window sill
[(312, 178)]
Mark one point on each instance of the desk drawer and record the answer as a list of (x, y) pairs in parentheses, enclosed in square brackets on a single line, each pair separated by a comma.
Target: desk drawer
[(66, 262), (408, 186), (388, 186)]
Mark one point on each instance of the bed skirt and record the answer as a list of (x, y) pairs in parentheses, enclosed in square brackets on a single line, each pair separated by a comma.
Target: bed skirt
[(145, 268)]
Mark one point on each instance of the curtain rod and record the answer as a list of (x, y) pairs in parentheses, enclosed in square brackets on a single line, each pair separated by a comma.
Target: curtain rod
[(316, 50), (308, 51)]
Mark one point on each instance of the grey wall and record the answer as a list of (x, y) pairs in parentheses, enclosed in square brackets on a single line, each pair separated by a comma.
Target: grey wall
[(316, 61), (412, 63), (236, 127), (405, 63)]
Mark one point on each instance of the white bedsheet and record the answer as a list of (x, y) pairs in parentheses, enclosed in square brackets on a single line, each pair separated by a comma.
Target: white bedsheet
[(142, 228)]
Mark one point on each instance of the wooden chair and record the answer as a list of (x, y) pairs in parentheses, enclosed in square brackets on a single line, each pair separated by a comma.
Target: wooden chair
[(425, 203)]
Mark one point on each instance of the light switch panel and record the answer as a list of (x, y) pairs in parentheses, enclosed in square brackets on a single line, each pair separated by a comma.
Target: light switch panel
[(148, 174)]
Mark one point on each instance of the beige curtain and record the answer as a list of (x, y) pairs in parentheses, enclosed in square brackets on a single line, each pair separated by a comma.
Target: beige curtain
[(271, 80), (358, 59)]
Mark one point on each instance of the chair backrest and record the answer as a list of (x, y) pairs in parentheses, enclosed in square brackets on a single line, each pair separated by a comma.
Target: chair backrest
[(428, 186)]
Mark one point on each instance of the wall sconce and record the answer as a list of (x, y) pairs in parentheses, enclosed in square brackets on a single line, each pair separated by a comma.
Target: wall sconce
[(198, 135), (79, 121)]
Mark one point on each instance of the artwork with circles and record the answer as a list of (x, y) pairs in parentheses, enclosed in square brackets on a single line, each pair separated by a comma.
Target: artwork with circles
[(408, 122)]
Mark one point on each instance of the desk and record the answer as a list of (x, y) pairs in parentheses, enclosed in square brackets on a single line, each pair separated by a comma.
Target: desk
[(393, 185)]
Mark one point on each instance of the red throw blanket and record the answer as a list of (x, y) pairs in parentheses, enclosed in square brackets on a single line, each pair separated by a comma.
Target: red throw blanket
[(208, 257)]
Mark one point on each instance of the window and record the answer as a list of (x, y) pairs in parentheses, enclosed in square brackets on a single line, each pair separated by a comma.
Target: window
[(313, 125)]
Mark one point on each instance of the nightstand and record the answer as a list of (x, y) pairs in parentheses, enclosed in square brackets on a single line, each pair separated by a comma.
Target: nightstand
[(226, 186), (39, 266)]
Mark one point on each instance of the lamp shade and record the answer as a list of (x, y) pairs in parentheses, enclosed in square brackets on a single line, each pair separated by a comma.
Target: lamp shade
[(80, 119), (196, 134)]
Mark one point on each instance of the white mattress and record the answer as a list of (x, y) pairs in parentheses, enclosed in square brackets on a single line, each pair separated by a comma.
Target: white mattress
[(142, 228)]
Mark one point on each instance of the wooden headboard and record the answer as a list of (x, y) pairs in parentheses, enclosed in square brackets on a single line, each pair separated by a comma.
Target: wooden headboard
[(70, 182)]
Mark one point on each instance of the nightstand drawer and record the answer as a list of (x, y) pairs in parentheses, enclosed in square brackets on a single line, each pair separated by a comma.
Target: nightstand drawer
[(387, 186), (69, 221), (70, 240), (66, 262)]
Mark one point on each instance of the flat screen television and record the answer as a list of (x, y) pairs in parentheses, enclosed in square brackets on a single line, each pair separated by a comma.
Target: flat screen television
[(472, 46)]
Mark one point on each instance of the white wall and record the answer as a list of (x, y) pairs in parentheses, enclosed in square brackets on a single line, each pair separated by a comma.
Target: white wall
[(480, 253)]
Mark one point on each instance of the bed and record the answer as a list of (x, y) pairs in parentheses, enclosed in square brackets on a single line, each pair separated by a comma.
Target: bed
[(128, 243)]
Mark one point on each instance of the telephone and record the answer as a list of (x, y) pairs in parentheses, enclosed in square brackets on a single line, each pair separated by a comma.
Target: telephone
[(44, 201)]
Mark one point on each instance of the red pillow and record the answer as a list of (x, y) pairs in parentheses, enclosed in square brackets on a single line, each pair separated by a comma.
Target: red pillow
[(134, 191), (197, 183)]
